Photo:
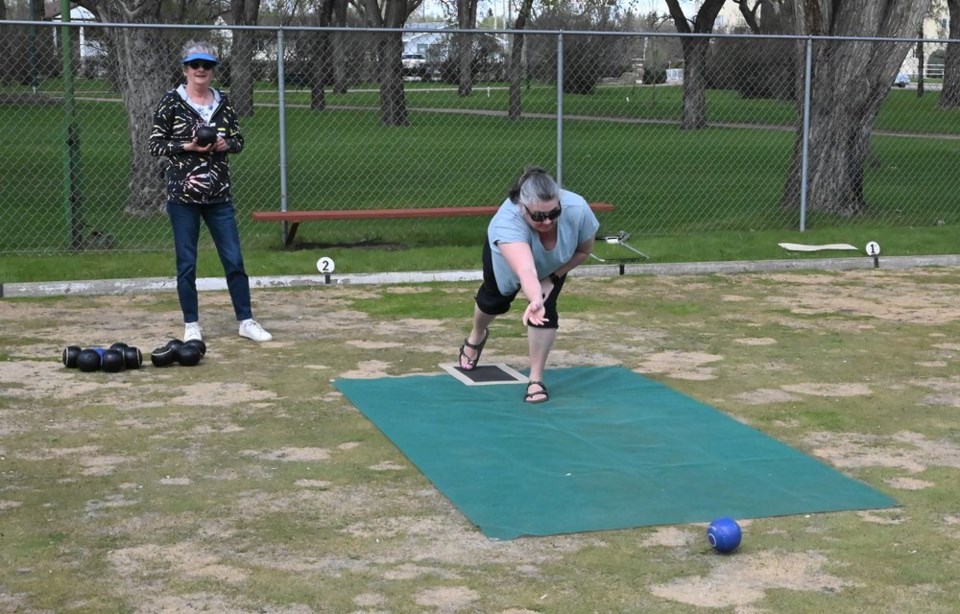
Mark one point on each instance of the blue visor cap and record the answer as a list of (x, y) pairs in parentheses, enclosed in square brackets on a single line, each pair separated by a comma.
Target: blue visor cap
[(199, 55)]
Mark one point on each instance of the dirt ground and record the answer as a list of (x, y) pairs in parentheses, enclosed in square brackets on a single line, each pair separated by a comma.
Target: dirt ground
[(249, 484)]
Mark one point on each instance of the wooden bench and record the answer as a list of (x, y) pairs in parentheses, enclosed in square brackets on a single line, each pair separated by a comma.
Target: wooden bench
[(294, 218)]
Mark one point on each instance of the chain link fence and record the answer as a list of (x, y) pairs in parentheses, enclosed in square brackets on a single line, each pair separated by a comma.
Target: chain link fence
[(360, 119)]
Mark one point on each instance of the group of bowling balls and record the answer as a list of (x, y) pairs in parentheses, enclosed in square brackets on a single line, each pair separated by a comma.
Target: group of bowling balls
[(117, 357), (175, 351), (120, 356)]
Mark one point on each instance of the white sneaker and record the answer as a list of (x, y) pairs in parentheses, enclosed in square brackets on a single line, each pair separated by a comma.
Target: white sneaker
[(191, 332), (252, 330)]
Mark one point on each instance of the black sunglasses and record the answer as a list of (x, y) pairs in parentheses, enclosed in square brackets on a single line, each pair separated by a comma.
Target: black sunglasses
[(201, 64), (543, 216)]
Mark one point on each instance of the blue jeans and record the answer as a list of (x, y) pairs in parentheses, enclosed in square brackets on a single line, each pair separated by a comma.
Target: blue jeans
[(220, 219)]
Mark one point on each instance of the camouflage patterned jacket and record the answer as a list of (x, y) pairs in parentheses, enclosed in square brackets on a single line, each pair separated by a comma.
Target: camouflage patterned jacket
[(194, 178)]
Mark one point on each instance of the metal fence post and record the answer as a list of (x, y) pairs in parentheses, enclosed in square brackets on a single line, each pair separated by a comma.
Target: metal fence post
[(805, 156), (560, 108), (71, 137), (282, 113)]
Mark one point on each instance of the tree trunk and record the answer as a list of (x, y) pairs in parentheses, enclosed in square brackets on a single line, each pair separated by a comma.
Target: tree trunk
[(41, 52), (694, 83), (850, 81), (318, 45), (515, 110), (340, 77), (393, 100), (920, 67), (241, 72), (695, 59), (141, 57), (245, 13), (143, 69), (466, 20), (950, 95), (321, 59), (7, 59)]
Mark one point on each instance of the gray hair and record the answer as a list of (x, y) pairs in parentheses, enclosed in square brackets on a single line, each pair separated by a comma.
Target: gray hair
[(534, 185), (197, 46)]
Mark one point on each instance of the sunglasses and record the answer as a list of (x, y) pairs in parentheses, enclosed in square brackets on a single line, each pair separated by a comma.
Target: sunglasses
[(543, 216), (201, 64)]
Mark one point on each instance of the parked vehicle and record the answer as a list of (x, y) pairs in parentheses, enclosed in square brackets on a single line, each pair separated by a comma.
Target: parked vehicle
[(415, 67), (413, 61)]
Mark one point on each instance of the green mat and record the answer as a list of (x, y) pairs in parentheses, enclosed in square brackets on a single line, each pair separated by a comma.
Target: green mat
[(612, 449)]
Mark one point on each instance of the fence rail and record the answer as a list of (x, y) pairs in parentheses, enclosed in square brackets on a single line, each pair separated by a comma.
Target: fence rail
[(608, 113)]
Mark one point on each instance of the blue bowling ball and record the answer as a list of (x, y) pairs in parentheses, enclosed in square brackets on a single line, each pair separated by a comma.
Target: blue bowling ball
[(724, 534)]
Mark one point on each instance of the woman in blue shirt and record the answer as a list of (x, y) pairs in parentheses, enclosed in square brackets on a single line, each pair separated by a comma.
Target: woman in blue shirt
[(539, 234)]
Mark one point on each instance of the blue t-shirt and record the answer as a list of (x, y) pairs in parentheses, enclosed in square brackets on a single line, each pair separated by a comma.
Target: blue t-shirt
[(575, 225)]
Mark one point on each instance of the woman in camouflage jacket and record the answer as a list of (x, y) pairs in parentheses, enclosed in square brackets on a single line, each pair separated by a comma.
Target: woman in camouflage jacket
[(195, 128)]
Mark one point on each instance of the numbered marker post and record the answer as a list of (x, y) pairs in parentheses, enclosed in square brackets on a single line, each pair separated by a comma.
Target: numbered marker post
[(325, 266), (873, 250)]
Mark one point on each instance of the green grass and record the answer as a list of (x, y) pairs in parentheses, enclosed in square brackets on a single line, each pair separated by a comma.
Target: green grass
[(266, 261), (714, 184), (902, 111)]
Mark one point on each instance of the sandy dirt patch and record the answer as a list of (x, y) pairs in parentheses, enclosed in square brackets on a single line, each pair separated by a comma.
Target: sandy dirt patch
[(910, 452), (680, 365), (829, 390), (745, 579)]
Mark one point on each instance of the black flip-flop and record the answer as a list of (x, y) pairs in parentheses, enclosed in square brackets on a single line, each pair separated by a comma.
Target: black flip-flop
[(477, 347)]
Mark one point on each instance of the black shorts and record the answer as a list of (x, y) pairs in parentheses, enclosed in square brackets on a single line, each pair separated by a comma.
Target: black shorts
[(491, 302)]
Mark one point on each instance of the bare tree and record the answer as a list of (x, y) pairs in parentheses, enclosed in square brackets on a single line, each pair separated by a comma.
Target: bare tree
[(142, 60), (244, 13), (695, 59), (767, 16), (758, 68), (516, 60), (466, 20), (749, 13), (392, 14), (40, 48), (339, 46), (321, 57), (950, 95), (851, 79)]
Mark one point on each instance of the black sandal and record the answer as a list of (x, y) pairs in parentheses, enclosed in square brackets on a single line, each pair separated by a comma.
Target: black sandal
[(542, 392), (477, 347)]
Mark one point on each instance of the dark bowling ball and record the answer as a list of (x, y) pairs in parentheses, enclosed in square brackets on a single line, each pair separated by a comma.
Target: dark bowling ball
[(112, 361), (69, 356), (206, 135), (132, 357), (88, 360), (163, 357), (119, 345), (189, 355), (174, 344), (199, 344)]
